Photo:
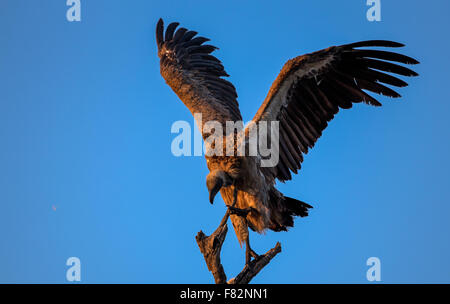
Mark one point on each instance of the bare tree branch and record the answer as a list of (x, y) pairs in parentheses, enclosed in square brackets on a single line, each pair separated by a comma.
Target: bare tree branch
[(255, 266), (211, 246)]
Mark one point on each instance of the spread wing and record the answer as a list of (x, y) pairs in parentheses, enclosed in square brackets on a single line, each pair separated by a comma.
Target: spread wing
[(311, 89), (195, 75)]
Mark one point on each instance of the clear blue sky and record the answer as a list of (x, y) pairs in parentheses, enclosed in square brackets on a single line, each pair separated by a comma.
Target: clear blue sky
[(85, 123)]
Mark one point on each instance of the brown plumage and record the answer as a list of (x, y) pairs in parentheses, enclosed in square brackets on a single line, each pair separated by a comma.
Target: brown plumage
[(307, 93)]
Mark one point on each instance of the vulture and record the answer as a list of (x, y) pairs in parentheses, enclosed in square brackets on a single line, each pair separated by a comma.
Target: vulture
[(308, 92)]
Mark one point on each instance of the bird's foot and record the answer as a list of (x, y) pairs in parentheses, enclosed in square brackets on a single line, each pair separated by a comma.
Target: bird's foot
[(240, 212), (249, 254)]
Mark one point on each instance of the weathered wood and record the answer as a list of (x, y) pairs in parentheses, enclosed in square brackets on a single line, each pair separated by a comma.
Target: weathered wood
[(255, 266), (211, 247)]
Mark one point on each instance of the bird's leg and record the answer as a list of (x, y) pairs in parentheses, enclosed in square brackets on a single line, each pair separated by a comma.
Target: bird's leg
[(234, 194), (237, 211), (249, 252)]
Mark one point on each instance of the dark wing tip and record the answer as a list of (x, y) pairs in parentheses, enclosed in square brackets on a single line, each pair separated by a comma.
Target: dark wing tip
[(160, 33), (413, 61), (382, 55), (170, 30), (375, 43)]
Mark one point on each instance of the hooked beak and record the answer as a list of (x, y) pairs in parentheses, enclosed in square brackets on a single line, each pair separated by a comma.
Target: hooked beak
[(214, 190)]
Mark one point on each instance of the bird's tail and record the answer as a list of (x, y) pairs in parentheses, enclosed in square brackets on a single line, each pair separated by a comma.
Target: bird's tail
[(296, 207), (284, 212)]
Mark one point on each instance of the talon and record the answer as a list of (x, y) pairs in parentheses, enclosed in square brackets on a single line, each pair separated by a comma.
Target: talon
[(240, 212), (249, 253), (248, 259), (254, 254)]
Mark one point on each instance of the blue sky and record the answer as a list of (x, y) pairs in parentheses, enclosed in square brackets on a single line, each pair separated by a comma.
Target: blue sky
[(85, 156)]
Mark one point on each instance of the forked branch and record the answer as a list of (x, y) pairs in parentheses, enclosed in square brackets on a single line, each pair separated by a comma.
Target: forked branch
[(211, 246)]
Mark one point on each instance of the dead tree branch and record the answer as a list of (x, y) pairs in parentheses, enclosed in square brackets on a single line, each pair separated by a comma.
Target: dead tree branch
[(250, 271), (211, 246)]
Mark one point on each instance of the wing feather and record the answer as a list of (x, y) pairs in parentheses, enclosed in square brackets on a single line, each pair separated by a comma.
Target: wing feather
[(195, 75), (310, 89)]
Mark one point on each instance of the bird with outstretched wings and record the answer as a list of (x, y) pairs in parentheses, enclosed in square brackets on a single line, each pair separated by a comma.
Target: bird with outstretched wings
[(308, 92)]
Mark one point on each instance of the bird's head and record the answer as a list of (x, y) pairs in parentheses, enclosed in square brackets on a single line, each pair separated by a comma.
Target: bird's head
[(215, 180)]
